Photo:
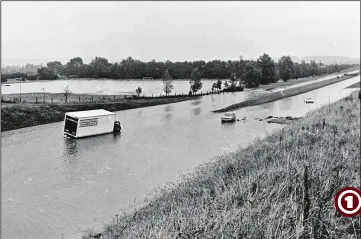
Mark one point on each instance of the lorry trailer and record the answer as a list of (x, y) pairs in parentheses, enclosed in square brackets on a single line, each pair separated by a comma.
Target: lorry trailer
[(89, 123)]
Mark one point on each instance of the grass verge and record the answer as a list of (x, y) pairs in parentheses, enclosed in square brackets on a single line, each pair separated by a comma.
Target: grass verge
[(15, 116), (280, 187), (356, 85), (266, 98)]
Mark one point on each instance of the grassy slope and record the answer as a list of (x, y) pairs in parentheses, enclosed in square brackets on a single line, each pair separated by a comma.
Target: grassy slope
[(15, 116), (356, 85), (261, 191), (266, 98)]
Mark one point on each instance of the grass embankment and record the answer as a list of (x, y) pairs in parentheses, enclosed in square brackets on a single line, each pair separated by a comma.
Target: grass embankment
[(60, 98), (356, 85), (270, 97), (20, 115), (280, 187)]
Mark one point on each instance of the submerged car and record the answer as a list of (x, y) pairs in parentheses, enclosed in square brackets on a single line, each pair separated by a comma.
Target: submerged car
[(308, 100), (228, 117)]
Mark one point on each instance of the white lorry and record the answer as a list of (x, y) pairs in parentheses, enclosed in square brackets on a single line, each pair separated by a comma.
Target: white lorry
[(91, 122)]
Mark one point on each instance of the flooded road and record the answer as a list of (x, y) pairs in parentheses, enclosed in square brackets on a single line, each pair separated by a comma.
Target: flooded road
[(53, 186)]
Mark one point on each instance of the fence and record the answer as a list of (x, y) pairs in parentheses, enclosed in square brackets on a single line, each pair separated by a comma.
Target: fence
[(56, 98)]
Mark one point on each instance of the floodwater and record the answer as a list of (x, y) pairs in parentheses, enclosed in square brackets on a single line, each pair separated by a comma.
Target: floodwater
[(102, 86), (53, 186), (113, 87)]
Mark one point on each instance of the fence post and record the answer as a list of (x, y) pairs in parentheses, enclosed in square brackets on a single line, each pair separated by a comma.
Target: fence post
[(79, 98), (36, 98), (306, 197)]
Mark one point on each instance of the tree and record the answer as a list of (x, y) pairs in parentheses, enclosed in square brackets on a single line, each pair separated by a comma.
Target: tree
[(86, 71), (138, 90), (314, 68), (101, 67), (304, 72), (3, 78), (233, 80), (46, 74), (252, 75), (66, 92), (219, 84), (56, 67), (214, 86), (268, 69), (285, 67), (167, 82), (75, 62), (73, 66), (296, 71), (195, 82), (226, 84)]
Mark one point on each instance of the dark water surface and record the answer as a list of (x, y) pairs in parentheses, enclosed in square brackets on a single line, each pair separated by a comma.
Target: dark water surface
[(53, 186)]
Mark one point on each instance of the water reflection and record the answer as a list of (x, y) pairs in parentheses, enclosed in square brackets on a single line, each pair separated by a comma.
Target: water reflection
[(168, 108), (69, 159), (84, 148), (168, 117), (116, 136), (196, 102), (228, 126), (196, 111)]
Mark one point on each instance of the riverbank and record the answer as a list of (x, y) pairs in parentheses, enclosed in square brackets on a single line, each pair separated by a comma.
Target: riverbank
[(270, 97), (281, 187), (20, 115)]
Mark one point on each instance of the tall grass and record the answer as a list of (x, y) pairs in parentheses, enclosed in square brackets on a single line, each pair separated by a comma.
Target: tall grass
[(279, 187)]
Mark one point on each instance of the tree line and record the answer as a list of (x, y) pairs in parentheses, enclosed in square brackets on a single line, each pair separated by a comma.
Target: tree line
[(249, 73)]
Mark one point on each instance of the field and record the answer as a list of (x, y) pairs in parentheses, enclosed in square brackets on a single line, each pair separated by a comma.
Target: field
[(280, 187)]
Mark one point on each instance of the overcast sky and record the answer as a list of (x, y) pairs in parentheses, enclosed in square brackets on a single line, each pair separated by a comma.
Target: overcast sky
[(177, 31)]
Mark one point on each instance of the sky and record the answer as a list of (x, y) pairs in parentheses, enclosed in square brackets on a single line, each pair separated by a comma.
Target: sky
[(37, 32)]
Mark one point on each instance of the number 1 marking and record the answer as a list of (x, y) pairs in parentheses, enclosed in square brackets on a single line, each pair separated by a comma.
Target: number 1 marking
[(349, 200)]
